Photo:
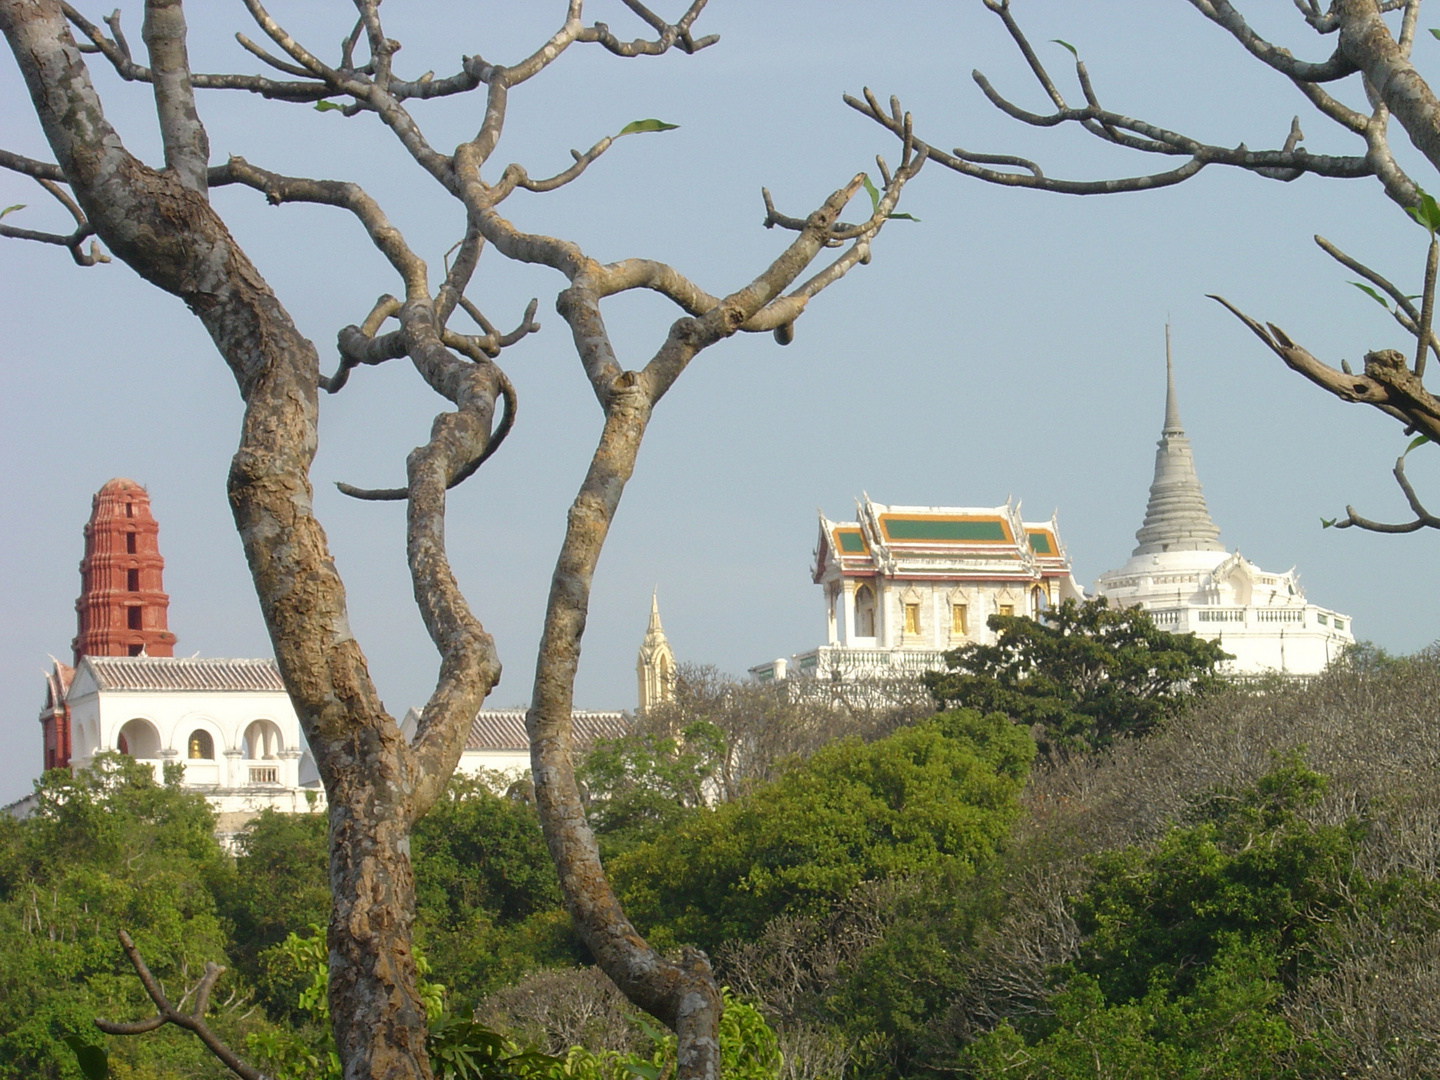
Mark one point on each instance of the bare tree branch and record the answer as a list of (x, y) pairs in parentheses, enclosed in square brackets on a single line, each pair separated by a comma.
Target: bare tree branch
[(507, 421), (1387, 383), (187, 149), (628, 399), (118, 54), (347, 196), (41, 170), (1223, 14), (1365, 46), (193, 1021), (1423, 518), (1404, 313)]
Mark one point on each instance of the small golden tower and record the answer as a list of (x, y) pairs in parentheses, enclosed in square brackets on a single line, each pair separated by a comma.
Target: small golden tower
[(656, 665)]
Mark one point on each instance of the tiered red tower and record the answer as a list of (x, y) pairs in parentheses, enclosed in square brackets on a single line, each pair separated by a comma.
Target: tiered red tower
[(122, 601)]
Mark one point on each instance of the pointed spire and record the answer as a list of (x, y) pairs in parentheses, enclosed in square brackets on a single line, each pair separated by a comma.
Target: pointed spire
[(1176, 518), (655, 666), (1172, 407)]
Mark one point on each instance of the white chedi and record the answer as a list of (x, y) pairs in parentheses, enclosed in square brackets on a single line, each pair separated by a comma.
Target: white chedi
[(1183, 576)]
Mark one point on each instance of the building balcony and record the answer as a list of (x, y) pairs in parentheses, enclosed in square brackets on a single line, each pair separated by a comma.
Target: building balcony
[(263, 775), (843, 664)]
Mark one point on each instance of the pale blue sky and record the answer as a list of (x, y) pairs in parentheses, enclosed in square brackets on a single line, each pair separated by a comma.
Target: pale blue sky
[(1012, 342)]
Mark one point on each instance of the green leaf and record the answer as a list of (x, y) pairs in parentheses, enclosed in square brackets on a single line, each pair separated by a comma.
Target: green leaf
[(1427, 213), (93, 1061), (1368, 291), (1435, 33), (1419, 440), (642, 1069), (873, 192), (1328, 523), (12, 209), (328, 106), (1067, 45), (636, 126)]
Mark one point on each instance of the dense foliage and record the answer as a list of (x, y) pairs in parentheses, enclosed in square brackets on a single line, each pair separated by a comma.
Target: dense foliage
[(103, 850), (1247, 890), (1080, 676), (1191, 944), (937, 794)]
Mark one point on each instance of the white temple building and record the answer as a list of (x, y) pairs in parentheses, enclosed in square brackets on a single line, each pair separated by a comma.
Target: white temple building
[(227, 724), (1183, 576), (903, 584)]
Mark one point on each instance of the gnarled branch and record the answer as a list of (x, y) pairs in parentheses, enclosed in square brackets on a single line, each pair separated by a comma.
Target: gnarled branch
[(1387, 383), (165, 1013), (1423, 518)]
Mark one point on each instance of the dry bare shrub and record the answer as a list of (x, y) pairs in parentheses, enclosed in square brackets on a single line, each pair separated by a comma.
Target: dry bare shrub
[(796, 960), (814, 1052), (1007, 970), (558, 1009), (767, 725), (1371, 726), (1376, 1010), (795, 963)]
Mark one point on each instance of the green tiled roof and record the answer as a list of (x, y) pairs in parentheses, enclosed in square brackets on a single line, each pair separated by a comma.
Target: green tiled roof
[(944, 529), (1040, 544), (850, 540)]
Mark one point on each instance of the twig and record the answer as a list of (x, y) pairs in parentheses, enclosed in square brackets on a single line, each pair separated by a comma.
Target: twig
[(167, 1014), (1423, 518)]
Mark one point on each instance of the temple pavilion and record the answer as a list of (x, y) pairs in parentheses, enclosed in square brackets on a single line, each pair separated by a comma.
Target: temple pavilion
[(903, 584)]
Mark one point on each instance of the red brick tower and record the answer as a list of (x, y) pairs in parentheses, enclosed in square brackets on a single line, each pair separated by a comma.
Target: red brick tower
[(122, 601)]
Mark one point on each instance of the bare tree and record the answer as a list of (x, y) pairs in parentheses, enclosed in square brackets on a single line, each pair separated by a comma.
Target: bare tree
[(763, 728), (1367, 50), (161, 223)]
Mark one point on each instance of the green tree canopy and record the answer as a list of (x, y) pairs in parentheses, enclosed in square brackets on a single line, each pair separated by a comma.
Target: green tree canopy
[(645, 783), (1190, 945), (941, 793), (1086, 675), (106, 848)]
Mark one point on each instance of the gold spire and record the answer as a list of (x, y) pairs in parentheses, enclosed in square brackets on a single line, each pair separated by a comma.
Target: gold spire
[(655, 667)]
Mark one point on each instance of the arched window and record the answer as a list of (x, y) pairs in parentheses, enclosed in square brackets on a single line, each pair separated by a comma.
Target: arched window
[(139, 739), (262, 741), (200, 746), (864, 611), (1038, 601)]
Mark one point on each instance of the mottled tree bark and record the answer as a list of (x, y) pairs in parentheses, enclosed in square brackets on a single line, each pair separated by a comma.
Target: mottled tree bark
[(164, 229), (161, 224)]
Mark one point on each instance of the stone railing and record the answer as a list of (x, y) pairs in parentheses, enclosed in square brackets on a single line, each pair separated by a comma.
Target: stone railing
[(833, 660), (264, 774), (1220, 615)]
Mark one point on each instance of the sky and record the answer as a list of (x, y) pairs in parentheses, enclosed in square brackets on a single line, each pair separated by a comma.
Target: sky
[(1009, 344)]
